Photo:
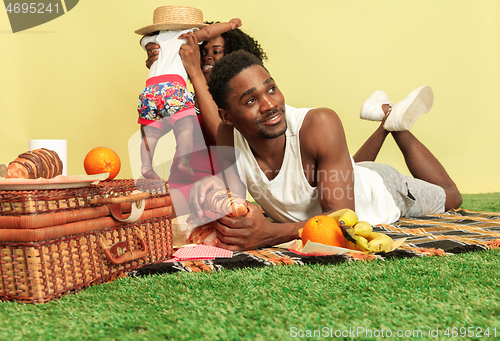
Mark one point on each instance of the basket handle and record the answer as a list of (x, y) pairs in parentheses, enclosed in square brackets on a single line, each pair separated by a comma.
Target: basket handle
[(135, 196), (113, 204), (128, 255)]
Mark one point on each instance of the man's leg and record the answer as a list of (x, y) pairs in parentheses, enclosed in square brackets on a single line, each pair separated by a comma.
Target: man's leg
[(423, 165), (370, 149), (403, 116)]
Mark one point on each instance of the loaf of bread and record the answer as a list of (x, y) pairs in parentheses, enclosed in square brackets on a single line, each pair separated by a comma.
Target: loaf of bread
[(38, 163)]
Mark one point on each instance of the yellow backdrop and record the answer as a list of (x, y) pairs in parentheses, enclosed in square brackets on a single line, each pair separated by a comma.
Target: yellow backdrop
[(78, 77)]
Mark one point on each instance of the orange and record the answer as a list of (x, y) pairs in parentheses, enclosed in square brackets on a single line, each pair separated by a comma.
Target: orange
[(322, 229), (102, 160)]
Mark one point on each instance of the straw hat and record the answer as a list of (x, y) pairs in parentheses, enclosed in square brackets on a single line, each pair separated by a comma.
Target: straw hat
[(174, 18)]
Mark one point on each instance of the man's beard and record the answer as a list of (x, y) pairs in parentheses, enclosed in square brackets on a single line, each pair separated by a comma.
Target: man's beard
[(272, 135)]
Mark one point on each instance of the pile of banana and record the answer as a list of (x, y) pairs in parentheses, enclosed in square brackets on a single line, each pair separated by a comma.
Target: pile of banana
[(359, 235)]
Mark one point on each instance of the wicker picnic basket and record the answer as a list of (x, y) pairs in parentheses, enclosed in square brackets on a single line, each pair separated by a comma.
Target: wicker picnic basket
[(55, 242)]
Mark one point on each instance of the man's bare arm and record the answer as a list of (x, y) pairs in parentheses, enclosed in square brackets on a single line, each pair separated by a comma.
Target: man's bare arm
[(328, 162)]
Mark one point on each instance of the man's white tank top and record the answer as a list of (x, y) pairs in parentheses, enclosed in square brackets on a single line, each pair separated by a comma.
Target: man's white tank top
[(290, 198)]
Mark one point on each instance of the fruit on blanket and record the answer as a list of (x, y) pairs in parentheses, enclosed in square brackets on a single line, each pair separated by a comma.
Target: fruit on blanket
[(359, 235), (322, 229), (361, 244), (379, 242), (337, 214), (348, 218), (372, 242), (102, 160), (362, 228)]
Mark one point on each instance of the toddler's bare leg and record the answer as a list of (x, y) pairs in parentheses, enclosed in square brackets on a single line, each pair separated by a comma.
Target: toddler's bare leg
[(183, 129), (150, 137)]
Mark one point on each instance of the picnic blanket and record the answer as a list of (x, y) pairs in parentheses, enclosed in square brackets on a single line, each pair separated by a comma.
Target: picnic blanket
[(454, 232)]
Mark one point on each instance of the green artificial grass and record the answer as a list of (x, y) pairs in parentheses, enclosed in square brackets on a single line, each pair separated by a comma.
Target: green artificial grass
[(413, 296), (487, 202)]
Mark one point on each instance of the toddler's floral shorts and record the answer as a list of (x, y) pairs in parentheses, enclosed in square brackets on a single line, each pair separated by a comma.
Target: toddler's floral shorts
[(163, 100)]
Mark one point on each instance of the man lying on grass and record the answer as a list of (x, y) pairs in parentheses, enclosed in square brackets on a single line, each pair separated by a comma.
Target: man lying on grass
[(295, 163)]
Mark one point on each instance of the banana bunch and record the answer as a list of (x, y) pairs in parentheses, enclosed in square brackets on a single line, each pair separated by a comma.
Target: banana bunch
[(359, 235)]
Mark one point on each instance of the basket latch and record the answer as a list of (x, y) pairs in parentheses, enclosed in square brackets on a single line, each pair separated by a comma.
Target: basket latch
[(118, 253), (113, 203)]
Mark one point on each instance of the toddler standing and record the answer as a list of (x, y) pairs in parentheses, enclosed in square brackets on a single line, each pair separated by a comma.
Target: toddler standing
[(165, 102)]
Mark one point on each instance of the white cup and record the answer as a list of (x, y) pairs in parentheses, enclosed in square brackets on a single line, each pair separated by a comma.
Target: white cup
[(59, 146)]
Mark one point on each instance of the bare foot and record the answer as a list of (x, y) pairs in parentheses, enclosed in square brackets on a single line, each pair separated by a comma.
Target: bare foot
[(149, 173), (184, 168)]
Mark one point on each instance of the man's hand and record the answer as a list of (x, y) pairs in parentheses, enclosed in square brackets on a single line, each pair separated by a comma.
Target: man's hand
[(153, 50), (245, 233), (199, 193), (190, 53)]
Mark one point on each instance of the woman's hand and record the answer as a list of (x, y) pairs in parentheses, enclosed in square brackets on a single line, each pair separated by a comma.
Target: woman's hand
[(153, 50), (245, 233), (199, 193), (190, 54)]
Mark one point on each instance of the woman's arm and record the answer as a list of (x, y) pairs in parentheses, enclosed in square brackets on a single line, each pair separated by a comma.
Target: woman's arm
[(190, 55)]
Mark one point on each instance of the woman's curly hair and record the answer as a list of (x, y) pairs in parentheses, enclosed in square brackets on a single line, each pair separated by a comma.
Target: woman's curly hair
[(236, 39)]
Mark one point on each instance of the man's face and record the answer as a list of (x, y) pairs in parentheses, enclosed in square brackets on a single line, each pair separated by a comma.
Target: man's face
[(256, 107)]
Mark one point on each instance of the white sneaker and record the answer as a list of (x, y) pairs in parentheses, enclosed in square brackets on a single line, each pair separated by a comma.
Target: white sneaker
[(405, 113), (372, 108)]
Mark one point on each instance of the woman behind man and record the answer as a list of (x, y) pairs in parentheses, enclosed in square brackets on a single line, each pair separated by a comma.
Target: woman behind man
[(198, 61)]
